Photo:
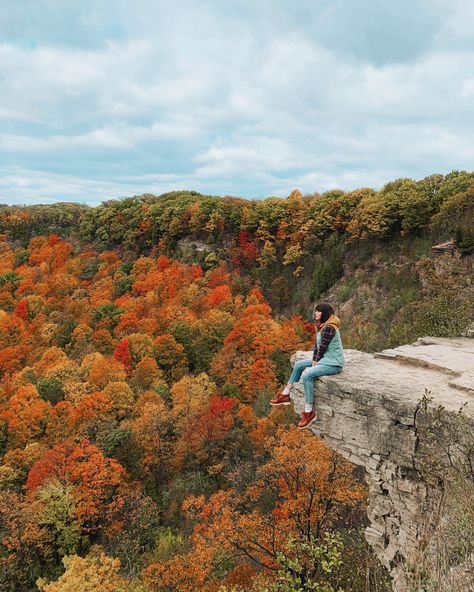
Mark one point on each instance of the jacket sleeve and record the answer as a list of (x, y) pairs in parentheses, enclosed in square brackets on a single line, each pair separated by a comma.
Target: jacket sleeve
[(328, 333)]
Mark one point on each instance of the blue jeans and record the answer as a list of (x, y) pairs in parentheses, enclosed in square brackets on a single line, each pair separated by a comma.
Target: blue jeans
[(310, 373)]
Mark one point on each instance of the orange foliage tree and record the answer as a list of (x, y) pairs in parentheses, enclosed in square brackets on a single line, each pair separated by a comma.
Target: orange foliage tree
[(26, 415), (106, 370), (308, 488), (97, 481)]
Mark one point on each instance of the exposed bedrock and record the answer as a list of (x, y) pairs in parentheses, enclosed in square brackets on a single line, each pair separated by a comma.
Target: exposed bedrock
[(371, 414)]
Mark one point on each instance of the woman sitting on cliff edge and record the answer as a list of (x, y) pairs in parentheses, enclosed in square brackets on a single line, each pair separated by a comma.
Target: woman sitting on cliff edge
[(328, 358)]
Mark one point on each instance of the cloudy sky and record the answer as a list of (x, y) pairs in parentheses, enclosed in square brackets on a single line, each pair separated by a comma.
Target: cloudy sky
[(105, 98)]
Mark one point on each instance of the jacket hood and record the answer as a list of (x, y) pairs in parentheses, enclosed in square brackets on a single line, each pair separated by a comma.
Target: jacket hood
[(333, 320)]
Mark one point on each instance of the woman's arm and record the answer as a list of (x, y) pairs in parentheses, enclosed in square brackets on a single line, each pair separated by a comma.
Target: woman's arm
[(328, 333)]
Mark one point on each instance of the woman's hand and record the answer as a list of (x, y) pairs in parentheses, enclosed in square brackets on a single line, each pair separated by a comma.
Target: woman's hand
[(315, 363)]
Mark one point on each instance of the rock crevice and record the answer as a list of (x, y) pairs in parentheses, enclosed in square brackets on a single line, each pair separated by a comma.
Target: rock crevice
[(370, 414)]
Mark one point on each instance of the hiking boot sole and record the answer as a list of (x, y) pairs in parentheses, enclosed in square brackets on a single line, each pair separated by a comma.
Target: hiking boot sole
[(307, 425)]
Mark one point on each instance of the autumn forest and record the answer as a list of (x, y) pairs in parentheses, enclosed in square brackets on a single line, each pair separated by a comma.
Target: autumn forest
[(140, 343)]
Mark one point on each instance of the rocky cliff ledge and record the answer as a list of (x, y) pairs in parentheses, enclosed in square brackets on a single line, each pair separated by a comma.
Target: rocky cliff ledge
[(371, 415)]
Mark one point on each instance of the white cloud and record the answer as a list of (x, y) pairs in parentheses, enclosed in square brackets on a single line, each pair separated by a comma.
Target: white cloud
[(256, 155), (235, 98), (25, 186), (120, 137), (460, 22)]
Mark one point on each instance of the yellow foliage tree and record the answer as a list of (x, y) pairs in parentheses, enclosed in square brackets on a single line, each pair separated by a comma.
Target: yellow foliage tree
[(150, 429), (51, 358), (140, 345), (190, 394), (97, 572), (146, 374), (106, 370), (122, 398)]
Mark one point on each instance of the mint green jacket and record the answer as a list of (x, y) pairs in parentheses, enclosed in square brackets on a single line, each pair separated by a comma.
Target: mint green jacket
[(334, 354)]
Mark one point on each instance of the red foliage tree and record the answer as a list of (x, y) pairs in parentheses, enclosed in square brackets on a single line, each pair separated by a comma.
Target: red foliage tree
[(248, 248), (202, 438), (211, 424), (53, 239), (122, 354), (21, 310)]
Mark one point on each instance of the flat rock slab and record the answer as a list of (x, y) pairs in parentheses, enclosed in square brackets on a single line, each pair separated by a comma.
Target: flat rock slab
[(452, 356), (440, 368)]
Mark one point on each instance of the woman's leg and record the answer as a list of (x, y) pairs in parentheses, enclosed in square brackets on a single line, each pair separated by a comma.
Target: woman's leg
[(310, 375), (283, 397), (298, 370)]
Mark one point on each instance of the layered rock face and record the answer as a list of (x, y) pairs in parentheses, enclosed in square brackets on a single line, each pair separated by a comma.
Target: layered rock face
[(370, 414)]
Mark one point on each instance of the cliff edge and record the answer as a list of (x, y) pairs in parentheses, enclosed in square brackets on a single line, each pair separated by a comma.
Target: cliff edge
[(375, 414)]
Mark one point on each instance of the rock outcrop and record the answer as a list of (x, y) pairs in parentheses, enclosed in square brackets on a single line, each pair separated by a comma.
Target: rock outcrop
[(370, 414)]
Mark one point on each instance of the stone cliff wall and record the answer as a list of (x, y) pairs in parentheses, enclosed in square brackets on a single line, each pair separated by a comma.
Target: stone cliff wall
[(370, 414)]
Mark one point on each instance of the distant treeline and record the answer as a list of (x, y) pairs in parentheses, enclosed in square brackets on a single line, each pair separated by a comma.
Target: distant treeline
[(283, 229)]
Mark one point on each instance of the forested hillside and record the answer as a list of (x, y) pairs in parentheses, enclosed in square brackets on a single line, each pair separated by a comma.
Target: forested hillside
[(368, 251), (140, 343)]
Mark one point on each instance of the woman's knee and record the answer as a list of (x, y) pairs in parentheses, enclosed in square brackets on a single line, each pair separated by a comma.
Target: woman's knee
[(301, 364)]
